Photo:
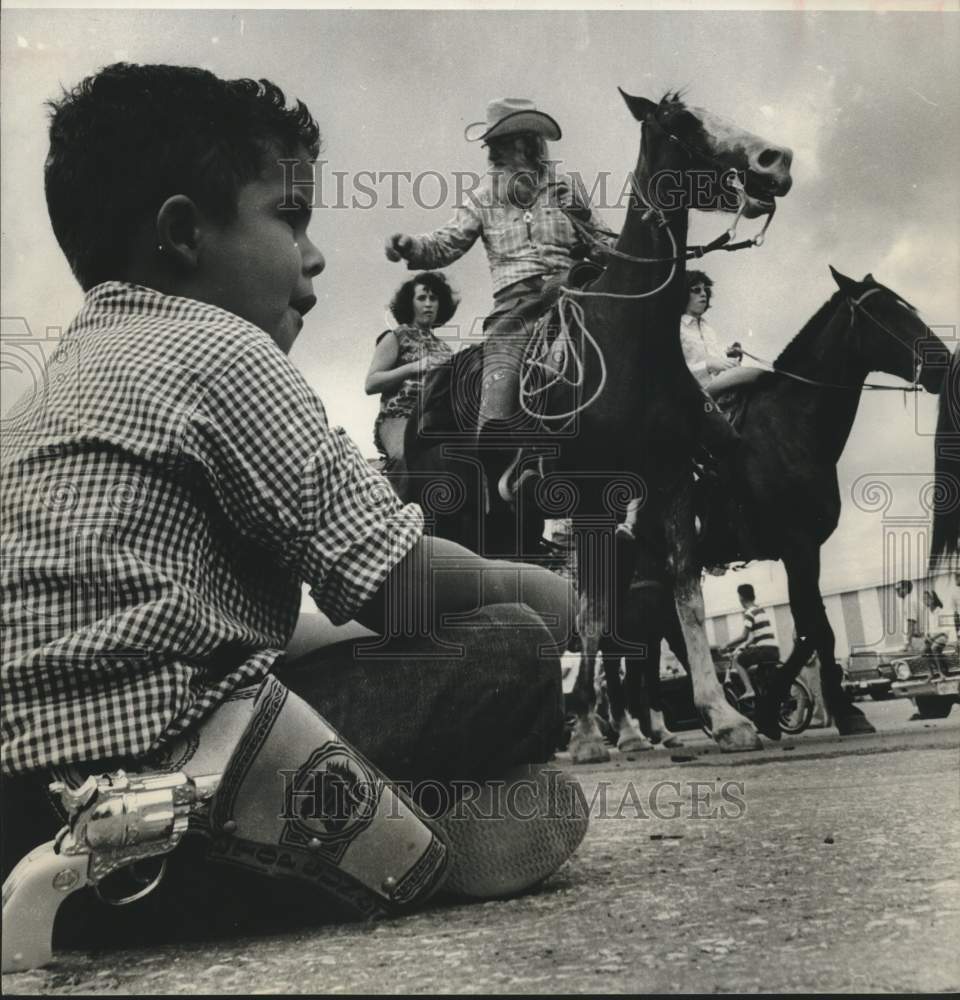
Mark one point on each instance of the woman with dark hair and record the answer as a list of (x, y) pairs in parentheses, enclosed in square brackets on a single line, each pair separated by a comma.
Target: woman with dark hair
[(701, 347), (715, 370), (406, 353)]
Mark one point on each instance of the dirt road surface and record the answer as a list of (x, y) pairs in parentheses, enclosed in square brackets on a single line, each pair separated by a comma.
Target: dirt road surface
[(820, 864)]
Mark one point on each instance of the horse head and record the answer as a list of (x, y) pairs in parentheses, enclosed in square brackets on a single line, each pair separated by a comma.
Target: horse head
[(707, 162), (892, 336)]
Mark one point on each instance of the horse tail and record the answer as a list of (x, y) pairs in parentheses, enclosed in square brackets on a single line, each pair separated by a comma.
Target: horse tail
[(945, 538)]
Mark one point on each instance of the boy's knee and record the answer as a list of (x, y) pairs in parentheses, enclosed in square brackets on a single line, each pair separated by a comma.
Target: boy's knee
[(514, 639), (523, 624)]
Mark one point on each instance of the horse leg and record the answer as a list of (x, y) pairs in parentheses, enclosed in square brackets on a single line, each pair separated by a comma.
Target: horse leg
[(640, 625), (622, 712), (670, 628), (729, 729), (814, 633), (630, 616), (646, 702), (586, 741)]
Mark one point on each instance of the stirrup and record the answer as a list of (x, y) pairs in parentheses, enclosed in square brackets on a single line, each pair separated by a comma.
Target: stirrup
[(508, 490)]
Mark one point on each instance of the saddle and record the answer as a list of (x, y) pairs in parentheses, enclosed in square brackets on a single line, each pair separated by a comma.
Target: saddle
[(584, 273), (441, 408), (733, 405), (439, 417)]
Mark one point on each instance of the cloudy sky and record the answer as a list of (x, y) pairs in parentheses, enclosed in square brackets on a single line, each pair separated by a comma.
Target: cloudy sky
[(864, 99)]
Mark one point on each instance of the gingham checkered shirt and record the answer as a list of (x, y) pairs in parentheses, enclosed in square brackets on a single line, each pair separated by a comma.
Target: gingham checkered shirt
[(520, 243), (165, 492)]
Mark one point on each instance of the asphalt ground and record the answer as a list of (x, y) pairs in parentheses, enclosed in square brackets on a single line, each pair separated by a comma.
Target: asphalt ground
[(819, 864)]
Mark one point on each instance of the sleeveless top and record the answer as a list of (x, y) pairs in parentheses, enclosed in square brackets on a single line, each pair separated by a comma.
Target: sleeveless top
[(415, 343)]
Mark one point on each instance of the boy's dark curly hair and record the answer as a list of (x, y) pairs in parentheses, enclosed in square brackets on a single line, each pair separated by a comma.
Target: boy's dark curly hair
[(129, 137), (402, 304)]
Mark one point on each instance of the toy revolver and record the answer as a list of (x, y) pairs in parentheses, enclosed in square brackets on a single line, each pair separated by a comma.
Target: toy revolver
[(113, 821)]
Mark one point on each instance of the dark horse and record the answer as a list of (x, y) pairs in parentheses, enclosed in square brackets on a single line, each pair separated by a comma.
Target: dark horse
[(622, 413), (794, 423), (945, 539)]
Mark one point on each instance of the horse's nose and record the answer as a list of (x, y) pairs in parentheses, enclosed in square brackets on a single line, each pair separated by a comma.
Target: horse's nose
[(773, 163)]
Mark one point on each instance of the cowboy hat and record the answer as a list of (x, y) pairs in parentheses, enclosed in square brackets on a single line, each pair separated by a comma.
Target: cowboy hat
[(510, 115)]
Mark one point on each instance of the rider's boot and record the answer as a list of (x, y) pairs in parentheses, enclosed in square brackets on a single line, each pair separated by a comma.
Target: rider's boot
[(716, 433), (503, 445), (719, 444)]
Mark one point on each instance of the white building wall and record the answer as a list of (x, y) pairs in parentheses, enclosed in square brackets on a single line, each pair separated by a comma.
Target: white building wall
[(870, 616)]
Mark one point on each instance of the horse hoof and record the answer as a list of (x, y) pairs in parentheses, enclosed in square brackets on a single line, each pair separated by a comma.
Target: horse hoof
[(671, 742), (767, 717), (665, 739), (736, 739), (589, 752), (633, 744), (854, 724)]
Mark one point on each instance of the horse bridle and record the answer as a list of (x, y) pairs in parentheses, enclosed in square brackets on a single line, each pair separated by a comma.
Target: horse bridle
[(538, 350), (855, 305), (722, 242)]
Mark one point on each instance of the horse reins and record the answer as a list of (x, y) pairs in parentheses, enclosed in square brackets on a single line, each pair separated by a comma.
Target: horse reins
[(555, 358), (562, 350), (854, 304), (590, 234), (722, 242)]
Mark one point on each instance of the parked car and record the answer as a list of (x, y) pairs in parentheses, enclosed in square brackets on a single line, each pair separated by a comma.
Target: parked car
[(869, 672), (932, 681)]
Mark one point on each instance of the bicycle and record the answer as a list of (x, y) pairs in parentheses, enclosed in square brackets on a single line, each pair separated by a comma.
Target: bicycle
[(796, 710)]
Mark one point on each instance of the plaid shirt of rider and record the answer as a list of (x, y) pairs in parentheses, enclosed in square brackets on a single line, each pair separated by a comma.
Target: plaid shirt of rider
[(166, 493), (520, 243)]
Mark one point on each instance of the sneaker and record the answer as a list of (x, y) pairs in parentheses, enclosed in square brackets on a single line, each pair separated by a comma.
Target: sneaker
[(507, 836)]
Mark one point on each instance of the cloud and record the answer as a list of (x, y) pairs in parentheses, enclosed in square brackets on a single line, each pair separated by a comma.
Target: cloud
[(915, 262)]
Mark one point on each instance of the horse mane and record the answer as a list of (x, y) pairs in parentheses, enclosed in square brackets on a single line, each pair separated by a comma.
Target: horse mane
[(798, 352), (945, 537)]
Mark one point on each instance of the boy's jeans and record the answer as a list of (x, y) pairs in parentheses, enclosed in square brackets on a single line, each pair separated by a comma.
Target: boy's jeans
[(466, 704)]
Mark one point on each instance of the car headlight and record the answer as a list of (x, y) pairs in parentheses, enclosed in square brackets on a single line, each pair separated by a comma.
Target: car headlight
[(902, 670)]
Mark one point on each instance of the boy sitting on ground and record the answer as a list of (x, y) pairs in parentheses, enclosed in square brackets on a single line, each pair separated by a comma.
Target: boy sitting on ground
[(175, 482)]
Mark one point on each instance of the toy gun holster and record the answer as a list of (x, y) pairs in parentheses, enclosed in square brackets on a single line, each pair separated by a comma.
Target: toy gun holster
[(114, 821), (275, 789)]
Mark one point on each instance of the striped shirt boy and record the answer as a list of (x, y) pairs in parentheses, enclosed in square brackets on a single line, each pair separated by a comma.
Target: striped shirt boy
[(756, 621)]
